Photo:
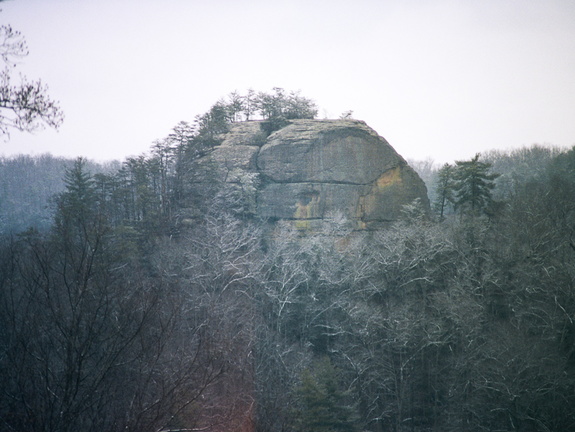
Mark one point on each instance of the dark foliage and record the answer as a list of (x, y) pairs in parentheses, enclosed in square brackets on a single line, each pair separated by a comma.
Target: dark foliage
[(125, 316), (27, 187)]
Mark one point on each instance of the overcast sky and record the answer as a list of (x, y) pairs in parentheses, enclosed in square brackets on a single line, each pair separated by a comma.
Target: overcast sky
[(439, 79)]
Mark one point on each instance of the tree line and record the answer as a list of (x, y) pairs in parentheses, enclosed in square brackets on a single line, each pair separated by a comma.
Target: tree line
[(147, 187), (120, 316), (116, 315)]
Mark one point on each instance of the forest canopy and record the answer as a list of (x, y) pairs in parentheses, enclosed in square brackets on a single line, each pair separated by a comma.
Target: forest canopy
[(118, 315)]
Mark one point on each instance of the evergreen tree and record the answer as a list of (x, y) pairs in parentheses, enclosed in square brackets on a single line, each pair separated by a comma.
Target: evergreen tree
[(444, 189), (235, 106), (212, 124), (77, 206), (473, 184), (323, 406), (278, 108)]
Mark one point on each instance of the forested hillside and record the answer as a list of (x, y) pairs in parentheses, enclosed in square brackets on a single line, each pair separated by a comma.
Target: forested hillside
[(125, 316), (28, 185)]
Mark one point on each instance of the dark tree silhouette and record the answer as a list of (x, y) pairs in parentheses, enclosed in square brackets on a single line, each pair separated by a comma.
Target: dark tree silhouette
[(473, 184)]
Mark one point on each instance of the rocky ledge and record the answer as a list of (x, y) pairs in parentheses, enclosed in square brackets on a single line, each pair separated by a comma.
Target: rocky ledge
[(311, 170)]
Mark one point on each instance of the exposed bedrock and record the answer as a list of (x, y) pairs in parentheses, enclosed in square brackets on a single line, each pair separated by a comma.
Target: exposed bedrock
[(312, 169)]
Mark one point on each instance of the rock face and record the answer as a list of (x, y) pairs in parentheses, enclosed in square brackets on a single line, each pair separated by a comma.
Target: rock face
[(311, 169)]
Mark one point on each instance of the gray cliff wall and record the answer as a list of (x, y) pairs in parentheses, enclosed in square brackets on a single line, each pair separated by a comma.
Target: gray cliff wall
[(312, 169)]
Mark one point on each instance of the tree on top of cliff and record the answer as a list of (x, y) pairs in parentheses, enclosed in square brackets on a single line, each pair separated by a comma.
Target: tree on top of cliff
[(237, 107), (288, 106), (276, 109)]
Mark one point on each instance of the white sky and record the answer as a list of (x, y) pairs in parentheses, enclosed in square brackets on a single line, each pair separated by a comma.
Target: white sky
[(438, 79)]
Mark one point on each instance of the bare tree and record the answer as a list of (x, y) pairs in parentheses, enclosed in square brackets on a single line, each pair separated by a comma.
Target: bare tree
[(222, 261), (24, 106), (89, 338)]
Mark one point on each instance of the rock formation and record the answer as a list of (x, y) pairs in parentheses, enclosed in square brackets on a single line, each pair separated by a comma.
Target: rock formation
[(309, 170)]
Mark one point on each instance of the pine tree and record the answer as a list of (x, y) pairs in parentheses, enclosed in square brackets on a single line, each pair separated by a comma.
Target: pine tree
[(77, 205), (444, 189), (323, 406), (473, 184)]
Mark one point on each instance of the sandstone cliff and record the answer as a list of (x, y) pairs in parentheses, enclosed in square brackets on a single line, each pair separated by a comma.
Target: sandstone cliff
[(308, 171)]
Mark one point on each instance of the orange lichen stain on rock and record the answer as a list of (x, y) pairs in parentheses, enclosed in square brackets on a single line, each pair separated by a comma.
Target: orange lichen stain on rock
[(303, 211), (389, 178), (306, 208), (302, 224), (368, 203)]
